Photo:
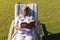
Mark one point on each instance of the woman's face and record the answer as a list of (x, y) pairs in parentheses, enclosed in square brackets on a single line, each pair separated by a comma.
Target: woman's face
[(24, 12)]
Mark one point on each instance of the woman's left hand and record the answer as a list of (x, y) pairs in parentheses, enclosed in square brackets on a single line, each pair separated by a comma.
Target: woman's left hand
[(31, 21)]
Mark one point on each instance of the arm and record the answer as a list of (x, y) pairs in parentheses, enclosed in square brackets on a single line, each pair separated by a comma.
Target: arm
[(31, 20), (16, 24)]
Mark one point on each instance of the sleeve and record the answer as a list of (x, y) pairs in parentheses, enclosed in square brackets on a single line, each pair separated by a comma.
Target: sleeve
[(16, 21), (32, 18)]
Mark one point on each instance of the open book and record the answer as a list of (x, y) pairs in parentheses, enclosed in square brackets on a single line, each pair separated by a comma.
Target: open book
[(28, 25)]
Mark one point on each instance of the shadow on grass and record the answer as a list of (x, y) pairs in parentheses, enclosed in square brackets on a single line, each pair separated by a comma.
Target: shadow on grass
[(51, 36)]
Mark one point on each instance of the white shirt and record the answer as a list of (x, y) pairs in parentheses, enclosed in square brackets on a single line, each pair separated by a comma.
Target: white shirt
[(20, 20)]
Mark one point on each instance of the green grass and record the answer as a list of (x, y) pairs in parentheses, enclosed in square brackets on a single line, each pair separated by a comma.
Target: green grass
[(48, 14)]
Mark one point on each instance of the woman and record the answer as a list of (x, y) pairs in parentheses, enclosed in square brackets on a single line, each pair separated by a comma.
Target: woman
[(23, 33)]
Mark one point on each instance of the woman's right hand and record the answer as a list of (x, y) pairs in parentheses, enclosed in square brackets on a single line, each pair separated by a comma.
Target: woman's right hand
[(18, 28)]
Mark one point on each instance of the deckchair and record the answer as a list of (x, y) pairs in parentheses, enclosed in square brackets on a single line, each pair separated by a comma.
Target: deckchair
[(33, 12)]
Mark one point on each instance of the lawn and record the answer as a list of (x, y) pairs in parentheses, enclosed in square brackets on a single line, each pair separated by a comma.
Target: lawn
[(48, 14)]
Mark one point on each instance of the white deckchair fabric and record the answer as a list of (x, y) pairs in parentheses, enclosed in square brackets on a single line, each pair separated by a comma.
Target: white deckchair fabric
[(33, 11)]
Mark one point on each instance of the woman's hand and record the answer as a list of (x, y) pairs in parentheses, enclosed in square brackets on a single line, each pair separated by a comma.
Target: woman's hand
[(30, 21), (18, 28)]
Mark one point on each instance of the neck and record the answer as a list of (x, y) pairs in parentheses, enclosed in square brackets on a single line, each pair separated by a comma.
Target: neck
[(24, 16)]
